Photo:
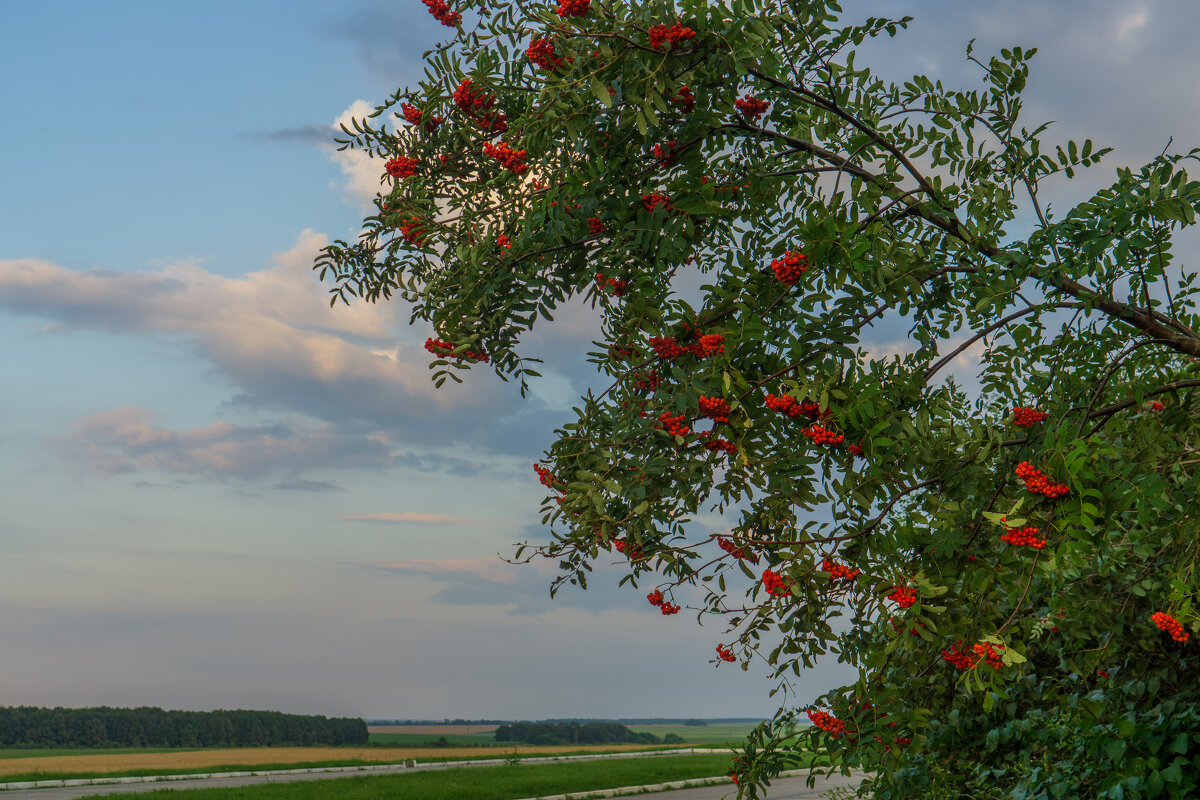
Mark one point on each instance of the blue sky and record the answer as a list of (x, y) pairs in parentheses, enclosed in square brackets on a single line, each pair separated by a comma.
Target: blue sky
[(219, 492)]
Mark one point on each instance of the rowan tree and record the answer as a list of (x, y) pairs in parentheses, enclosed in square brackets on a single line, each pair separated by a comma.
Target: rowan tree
[(1009, 564)]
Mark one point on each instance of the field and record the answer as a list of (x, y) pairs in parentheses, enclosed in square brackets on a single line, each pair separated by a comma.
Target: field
[(53, 764), (476, 783), (419, 739), (717, 733)]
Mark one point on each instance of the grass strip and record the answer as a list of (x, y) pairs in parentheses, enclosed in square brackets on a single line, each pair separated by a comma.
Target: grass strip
[(506, 782)]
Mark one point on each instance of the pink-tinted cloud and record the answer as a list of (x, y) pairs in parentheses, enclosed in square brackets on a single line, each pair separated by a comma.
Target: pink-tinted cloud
[(274, 335)]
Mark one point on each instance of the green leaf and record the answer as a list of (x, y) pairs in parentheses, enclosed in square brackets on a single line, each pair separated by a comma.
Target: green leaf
[(601, 92)]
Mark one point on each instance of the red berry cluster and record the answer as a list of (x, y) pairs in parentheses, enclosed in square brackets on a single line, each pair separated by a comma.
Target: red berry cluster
[(548, 478), (737, 552), (989, 654), (1023, 537), (726, 654), (827, 722), (631, 552), (674, 424), (715, 408), (412, 115), (958, 657), (751, 106), (822, 435), (669, 349), (716, 444), (657, 200), (1025, 417), (618, 353), (685, 100), (595, 226), (414, 230), (774, 584), (666, 607), (402, 167), (510, 159), (442, 348), (441, 12), (1171, 625), (646, 381), (675, 34), (839, 572), (503, 241), (665, 155), (709, 345), (1156, 405), (477, 106), (615, 287), (789, 268), (573, 8), (786, 404), (855, 450), (542, 53), (1038, 483), (666, 348), (903, 596)]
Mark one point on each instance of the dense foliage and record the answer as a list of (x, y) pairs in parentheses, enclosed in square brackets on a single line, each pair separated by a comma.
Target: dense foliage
[(28, 726), (1009, 560), (546, 733)]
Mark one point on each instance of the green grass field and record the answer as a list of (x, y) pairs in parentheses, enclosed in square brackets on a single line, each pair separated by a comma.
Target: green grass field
[(470, 783), (718, 733), (424, 739)]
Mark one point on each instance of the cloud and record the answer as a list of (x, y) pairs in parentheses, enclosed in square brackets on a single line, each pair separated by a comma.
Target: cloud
[(406, 516), (301, 485), (525, 588), (126, 440), (361, 172), (273, 334), (492, 570), (310, 134)]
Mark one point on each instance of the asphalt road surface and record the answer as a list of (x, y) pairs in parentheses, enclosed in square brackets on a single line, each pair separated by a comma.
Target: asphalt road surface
[(781, 789)]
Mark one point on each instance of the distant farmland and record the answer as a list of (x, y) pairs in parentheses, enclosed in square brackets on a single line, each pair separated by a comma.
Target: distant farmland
[(420, 735), (435, 730), (715, 733), (133, 762)]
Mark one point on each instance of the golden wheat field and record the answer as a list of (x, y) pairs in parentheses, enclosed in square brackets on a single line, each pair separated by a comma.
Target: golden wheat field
[(201, 760)]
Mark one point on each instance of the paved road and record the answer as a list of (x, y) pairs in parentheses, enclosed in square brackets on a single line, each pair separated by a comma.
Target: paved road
[(781, 789)]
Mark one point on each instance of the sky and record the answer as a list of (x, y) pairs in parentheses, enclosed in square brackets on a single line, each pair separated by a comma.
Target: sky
[(218, 492)]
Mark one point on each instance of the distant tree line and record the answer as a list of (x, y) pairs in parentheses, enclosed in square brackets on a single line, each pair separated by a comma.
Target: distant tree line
[(547, 733), (27, 726)]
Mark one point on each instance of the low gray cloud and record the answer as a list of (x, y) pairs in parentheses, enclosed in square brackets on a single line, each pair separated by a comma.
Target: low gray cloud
[(525, 588), (311, 134), (127, 440), (302, 485)]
